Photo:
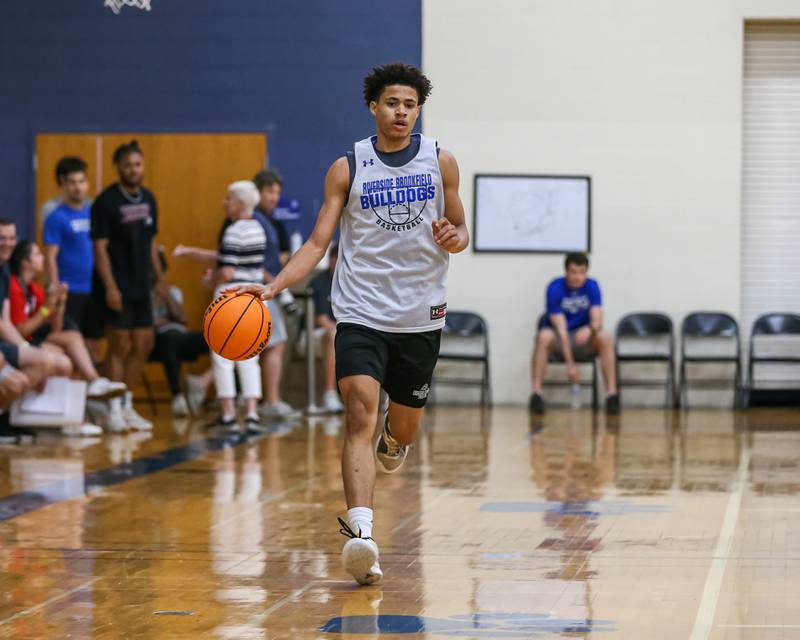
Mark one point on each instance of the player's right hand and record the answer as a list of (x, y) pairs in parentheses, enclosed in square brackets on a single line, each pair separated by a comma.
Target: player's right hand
[(267, 292)]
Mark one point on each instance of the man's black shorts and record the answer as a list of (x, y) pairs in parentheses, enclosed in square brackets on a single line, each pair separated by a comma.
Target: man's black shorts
[(135, 314), (82, 310), (402, 362)]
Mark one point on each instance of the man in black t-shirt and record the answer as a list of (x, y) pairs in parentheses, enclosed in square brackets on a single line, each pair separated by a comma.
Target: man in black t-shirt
[(324, 320), (124, 223)]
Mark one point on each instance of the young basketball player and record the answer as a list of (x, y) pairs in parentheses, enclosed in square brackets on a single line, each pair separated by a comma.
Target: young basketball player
[(395, 198)]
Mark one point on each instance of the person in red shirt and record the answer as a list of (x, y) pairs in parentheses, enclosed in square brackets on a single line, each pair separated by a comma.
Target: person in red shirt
[(39, 317)]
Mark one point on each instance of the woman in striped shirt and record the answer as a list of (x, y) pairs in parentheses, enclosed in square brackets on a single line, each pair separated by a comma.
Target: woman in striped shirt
[(240, 260)]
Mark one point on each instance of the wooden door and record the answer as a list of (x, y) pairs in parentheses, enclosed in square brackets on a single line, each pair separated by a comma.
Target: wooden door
[(188, 173)]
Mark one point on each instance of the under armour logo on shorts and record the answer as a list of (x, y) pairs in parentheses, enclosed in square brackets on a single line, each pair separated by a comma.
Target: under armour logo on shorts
[(421, 394)]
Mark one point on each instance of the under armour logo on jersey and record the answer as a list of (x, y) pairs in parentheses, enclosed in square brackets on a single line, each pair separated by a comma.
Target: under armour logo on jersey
[(369, 162), (421, 394)]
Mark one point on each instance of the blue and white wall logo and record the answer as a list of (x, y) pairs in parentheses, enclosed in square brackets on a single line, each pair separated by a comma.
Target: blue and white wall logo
[(398, 202), (116, 5)]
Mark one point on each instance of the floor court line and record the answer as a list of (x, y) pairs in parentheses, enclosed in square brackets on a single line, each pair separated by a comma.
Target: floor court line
[(704, 621), (49, 601), (297, 593), (759, 626)]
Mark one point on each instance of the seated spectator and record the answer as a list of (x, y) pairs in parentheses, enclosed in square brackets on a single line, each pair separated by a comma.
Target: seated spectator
[(13, 383), (35, 364), (68, 250), (573, 328), (39, 317), (175, 344), (324, 320)]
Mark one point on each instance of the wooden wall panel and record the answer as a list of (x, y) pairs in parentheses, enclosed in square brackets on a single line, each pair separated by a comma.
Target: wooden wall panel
[(188, 174)]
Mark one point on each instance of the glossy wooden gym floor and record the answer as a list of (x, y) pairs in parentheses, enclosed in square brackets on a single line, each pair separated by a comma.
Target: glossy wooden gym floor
[(654, 525)]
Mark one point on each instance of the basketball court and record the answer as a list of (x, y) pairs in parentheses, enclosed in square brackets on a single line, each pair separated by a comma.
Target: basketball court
[(661, 140), (652, 525)]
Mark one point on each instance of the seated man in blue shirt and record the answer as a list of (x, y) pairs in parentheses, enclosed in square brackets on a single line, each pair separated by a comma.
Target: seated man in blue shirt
[(573, 328)]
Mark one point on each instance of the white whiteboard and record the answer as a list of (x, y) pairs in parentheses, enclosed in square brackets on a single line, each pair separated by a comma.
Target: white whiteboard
[(549, 214)]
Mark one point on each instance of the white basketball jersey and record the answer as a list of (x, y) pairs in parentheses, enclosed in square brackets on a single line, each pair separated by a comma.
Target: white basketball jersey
[(391, 275)]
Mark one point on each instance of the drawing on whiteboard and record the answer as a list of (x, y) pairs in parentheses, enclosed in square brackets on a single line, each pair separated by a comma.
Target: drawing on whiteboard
[(533, 213)]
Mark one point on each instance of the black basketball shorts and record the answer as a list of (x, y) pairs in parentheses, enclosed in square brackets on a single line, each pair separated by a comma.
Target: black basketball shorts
[(402, 362), (135, 314)]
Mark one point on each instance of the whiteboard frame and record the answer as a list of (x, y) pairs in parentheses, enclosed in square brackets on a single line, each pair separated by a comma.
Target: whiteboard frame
[(476, 214)]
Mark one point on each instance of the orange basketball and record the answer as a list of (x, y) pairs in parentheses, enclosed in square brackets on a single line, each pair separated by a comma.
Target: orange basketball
[(237, 327)]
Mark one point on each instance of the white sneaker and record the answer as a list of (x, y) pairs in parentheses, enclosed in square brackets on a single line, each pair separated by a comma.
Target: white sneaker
[(331, 402), (360, 560), (279, 411), (85, 429), (115, 420), (104, 389), (132, 418), (180, 408)]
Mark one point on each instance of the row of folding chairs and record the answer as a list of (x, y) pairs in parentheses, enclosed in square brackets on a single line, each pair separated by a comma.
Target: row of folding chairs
[(698, 330), (648, 328)]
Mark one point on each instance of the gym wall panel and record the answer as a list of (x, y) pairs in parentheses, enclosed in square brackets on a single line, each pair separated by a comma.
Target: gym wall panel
[(771, 176), (291, 70), (644, 97)]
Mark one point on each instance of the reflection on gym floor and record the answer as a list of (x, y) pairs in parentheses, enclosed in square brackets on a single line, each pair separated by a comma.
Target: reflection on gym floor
[(574, 524)]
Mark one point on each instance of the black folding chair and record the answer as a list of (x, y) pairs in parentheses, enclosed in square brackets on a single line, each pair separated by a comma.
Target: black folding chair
[(708, 325), (656, 326), (773, 325), (591, 360), (472, 328)]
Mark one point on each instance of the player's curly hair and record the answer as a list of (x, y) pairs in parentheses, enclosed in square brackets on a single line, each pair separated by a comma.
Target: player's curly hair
[(396, 73)]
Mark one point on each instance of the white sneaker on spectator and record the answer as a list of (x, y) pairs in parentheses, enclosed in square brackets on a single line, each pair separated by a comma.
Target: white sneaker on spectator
[(331, 402), (132, 419), (85, 429), (115, 420), (279, 411), (195, 394), (180, 408), (104, 389)]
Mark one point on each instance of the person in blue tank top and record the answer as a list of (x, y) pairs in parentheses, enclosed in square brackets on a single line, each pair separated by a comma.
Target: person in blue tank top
[(395, 201), (572, 327)]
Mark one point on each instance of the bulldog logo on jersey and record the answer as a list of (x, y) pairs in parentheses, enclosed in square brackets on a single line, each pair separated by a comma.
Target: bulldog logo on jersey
[(398, 202)]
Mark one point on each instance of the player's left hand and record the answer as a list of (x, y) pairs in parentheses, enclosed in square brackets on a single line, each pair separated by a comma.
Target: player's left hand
[(446, 235)]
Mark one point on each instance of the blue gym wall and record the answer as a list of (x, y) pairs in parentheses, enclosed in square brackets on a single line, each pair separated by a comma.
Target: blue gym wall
[(292, 69)]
